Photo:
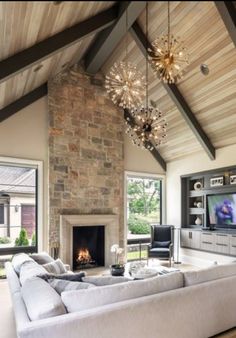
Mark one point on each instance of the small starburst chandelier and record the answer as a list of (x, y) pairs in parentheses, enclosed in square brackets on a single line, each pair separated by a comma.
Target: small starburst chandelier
[(169, 56), (147, 126), (124, 83)]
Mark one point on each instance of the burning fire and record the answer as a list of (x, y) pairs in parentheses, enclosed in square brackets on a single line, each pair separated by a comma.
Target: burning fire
[(84, 256)]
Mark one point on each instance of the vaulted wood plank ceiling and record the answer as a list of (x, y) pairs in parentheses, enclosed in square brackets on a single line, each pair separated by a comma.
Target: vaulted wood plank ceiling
[(212, 98)]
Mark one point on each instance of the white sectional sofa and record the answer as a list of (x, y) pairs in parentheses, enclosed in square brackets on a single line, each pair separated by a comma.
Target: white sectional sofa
[(196, 304)]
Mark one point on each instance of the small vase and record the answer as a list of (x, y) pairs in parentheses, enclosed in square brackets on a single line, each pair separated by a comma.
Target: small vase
[(199, 204), (117, 270), (198, 221)]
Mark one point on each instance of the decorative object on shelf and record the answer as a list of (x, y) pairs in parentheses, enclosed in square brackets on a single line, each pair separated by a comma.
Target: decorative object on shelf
[(148, 126), (199, 204), (232, 179), (169, 56), (118, 268), (217, 181), (197, 185), (198, 221), (124, 83)]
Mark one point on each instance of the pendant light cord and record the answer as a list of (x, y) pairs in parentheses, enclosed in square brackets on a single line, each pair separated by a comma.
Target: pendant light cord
[(168, 26), (147, 58), (126, 38)]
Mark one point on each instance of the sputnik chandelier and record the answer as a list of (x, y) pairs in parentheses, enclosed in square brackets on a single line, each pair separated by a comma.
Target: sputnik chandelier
[(169, 56), (147, 127), (124, 83)]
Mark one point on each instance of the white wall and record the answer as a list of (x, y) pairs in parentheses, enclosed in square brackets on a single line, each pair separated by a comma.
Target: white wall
[(25, 135), (191, 164), (139, 160)]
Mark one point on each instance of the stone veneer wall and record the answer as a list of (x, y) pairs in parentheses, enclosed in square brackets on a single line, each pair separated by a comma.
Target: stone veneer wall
[(86, 150)]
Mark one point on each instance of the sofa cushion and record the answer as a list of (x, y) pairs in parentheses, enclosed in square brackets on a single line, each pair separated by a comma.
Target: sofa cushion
[(61, 285), (18, 260), (30, 269), (79, 300), (42, 258), (56, 267), (41, 300), (157, 244), (104, 280), (209, 274)]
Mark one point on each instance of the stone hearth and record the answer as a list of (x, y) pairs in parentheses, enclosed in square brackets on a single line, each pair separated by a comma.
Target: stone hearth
[(67, 222)]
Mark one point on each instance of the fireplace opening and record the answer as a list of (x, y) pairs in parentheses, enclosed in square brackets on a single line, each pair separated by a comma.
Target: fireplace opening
[(88, 247)]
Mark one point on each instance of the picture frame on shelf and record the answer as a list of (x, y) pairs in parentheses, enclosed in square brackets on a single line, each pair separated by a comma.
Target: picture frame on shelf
[(217, 181), (232, 179)]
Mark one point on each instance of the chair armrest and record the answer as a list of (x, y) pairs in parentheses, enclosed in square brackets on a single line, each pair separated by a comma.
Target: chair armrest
[(67, 267)]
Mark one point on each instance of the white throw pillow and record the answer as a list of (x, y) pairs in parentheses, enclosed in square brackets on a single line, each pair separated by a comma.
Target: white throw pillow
[(79, 300), (61, 285), (56, 267), (41, 300), (209, 274), (30, 269), (18, 260), (42, 258)]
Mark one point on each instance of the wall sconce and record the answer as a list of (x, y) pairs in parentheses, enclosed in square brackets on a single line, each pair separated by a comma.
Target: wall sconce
[(16, 208)]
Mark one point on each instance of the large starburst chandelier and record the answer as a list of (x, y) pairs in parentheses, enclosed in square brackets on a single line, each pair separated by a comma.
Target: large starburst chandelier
[(147, 126), (124, 83), (169, 56)]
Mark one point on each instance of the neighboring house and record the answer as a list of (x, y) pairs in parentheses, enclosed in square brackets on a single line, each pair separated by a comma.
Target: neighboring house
[(17, 201)]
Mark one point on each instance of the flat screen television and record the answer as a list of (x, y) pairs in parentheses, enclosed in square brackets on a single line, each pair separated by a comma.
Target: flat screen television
[(222, 210)]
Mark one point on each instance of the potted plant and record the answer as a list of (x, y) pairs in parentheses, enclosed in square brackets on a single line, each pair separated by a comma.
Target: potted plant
[(118, 268)]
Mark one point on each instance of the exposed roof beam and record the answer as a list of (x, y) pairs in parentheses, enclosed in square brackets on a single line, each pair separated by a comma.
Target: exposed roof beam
[(108, 39), (24, 101), (154, 152), (42, 50), (177, 97), (227, 12)]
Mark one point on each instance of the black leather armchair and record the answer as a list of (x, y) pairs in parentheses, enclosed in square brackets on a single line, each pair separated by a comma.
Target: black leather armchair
[(162, 242)]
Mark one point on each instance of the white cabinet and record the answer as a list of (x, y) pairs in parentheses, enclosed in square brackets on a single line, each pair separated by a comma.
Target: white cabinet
[(222, 243), (207, 241), (232, 245), (190, 239)]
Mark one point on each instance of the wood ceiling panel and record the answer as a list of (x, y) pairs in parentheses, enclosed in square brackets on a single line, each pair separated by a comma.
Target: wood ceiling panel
[(24, 23), (26, 81)]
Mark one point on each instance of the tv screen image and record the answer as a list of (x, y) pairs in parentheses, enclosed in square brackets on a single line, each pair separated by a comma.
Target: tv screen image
[(222, 210)]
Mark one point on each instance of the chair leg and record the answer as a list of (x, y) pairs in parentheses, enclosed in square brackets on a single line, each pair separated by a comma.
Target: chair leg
[(170, 261)]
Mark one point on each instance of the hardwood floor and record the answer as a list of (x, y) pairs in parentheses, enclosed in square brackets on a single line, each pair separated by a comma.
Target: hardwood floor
[(7, 322)]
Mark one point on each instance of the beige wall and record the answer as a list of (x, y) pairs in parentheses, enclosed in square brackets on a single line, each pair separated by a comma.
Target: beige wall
[(140, 160), (25, 135)]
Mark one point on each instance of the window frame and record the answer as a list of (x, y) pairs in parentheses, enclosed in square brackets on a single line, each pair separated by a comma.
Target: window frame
[(137, 174), (38, 166)]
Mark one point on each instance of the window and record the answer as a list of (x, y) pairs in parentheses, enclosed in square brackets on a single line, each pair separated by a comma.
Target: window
[(144, 207), (18, 208)]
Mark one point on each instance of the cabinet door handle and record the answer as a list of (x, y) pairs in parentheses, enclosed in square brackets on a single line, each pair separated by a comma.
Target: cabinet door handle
[(233, 235), (221, 235), (221, 244), (233, 246), (204, 233), (206, 242)]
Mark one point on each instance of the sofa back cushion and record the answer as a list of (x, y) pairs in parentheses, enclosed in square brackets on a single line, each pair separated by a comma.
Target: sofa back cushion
[(85, 299), (105, 280), (41, 300), (29, 270), (18, 260), (61, 285), (209, 274), (42, 258), (56, 267)]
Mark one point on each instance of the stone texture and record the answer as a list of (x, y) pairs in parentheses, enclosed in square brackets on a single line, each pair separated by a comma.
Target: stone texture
[(86, 150)]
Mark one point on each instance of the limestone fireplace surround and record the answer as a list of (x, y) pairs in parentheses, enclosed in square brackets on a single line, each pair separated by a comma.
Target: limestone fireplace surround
[(67, 222)]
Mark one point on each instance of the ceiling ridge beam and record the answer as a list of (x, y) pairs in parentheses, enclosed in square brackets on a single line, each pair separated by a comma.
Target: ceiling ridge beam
[(23, 102), (227, 12), (108, 39), (155, 153), (176, 96), (48, 47)]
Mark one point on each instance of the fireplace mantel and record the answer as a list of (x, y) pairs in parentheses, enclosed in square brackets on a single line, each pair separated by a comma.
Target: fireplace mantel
[(67, 222)]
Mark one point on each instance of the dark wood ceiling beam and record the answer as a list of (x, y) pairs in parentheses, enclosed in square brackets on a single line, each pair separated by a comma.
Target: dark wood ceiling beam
[(23, 102), (227, 12), (108, 39), (155, 153), (42, 50), (176, 96)]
